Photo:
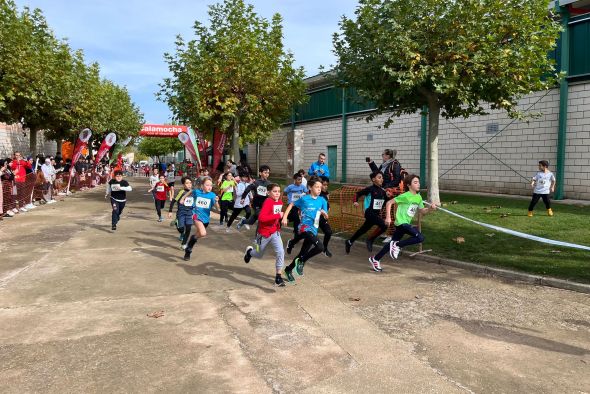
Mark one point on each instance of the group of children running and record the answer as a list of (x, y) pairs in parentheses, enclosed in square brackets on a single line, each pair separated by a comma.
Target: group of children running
[(307, 208)]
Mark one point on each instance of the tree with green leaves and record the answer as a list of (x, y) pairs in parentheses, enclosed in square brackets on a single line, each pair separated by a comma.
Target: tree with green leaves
[(156, 147), (235, 77), (451, 56)]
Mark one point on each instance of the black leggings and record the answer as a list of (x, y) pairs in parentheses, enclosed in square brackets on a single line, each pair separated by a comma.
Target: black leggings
[(370, 221), (398, 234), (193, 240), (224, 207), (159, 206), (236, 212), (327, 230), (536, 198), (294, 217), (311, 247), (186, 233), (118, 207), (250, 221)]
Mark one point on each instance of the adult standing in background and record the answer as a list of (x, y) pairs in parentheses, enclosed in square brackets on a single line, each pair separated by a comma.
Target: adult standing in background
[(19, 167), (49, 174), (390, 168), (320, 168)]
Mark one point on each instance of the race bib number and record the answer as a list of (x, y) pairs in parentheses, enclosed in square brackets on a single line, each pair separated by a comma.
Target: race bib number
[(261, 190), (412, 209), (188, 202), (276, 209), (378, 204), (203, 202), (160, 188), (296, 196), (316, 222), (541, 181), (115, 187)]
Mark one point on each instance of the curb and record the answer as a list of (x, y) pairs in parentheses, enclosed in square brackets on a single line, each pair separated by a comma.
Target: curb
[(508, 274)]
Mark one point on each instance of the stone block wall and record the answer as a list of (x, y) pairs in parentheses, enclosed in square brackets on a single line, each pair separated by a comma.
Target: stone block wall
[(12, 139)]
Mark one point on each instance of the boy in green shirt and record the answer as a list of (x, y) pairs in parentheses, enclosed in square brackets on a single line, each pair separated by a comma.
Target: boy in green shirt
[(408, 204)]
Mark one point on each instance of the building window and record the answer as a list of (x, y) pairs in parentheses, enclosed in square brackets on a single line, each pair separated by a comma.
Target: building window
[(369, 137), (492, 128), (313, 141)]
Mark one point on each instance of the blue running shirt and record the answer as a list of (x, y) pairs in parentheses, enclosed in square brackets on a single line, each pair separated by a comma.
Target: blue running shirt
[(203, 202), (310, 209), (294, 192)]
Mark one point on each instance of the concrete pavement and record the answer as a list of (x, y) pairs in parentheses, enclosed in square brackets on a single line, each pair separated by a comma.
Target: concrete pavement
[(74, 299)]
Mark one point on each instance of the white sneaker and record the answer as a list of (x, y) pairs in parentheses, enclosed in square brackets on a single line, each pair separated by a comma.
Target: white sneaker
[(14, 210), (61, 194), (386, 240), (229, 230), (394, 250), (24, 210), (51, 201), (30, 206), (247, 226), (10, 213), (375, 264)]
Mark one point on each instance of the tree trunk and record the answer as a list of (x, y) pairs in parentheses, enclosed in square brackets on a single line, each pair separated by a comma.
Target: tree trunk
[(33, 141), (433, 118), (235, 151), (58, 145)]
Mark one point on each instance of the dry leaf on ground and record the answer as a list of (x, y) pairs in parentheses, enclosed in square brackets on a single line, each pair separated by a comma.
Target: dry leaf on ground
[(156, 314)]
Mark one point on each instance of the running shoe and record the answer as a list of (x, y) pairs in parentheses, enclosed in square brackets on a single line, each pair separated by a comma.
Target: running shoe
[(279, 281), (289, 246), (247, 255), (180, 237), (289, 275), (369, 243), (30, 206), (394, 250), (23, 210), (240, 224), (187, 255), (229, 230), (386, 240), (375, 264), (114, 227), (299, 266), (347, 246), (183, 246), (9, 213), (247, 226), (51, 202), (160, 219), (327, 253)]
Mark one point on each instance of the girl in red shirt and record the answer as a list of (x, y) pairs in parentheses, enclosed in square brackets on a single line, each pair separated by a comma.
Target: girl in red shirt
[(268, 232), (161, 195)]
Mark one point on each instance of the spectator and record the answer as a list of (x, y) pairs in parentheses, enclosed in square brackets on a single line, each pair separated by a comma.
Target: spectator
[(49, 175), (19, 166), (320, 168), (390, 168)]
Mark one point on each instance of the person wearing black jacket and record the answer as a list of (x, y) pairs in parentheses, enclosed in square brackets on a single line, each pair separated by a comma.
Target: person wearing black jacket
[(375, 198), (258, 188), (117, 188), (390, 168)]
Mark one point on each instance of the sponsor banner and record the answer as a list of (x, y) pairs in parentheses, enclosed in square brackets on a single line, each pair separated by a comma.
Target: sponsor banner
[(118, 151), (218, 145), (83, 138), (203, 145), (106, 145), (162, 130), (188, 144)]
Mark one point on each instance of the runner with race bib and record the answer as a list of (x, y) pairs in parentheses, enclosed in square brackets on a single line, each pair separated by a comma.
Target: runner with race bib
[(294, 192), (408, 205), (203, 200), (312, 207), (375, 197), (161, 192), (184, 214), (258, 188)]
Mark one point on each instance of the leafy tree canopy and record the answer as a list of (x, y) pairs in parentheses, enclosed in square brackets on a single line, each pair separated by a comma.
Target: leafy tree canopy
[(156, 147)]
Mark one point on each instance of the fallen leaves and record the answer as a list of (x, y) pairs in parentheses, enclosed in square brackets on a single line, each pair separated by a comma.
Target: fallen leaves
[(353, 299), (459, 240), (156, 314)]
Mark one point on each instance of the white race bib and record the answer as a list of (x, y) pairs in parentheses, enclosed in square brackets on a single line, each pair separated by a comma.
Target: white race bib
[(378, 204), (115, 187), (296, 196), (316, 222), (261, 190), (188, 202), (160, 188), (412, 210), (276, 209), (203, 202)]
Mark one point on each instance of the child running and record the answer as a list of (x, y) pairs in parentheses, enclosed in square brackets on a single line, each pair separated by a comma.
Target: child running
[(268, 231), (227, 196), (324, 225), (242, 201), (543, 183), (312, 207), (184, 214), (373, 202), (294, 192), (260, 194), (161, 194), (203, 200), (408, 204), (117, 188)]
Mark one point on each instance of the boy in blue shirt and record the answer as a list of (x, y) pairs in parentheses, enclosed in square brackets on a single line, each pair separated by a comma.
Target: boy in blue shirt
[(203, 200), (312, 208), (294, 192)]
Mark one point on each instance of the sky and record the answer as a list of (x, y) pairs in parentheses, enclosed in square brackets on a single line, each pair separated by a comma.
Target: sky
[(128, 38)]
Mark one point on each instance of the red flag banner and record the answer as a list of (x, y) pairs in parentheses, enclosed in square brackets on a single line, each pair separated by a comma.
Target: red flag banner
[(188, 144), (81, 144), (203, 144), (106, 145), (218, 145)]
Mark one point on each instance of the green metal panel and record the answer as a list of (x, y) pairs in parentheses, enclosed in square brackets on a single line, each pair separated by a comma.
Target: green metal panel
[(333, 161), (322, 104), (355, 103), (579, 48)]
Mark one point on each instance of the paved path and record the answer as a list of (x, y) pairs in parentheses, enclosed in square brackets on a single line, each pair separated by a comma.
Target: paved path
[(74, 298)]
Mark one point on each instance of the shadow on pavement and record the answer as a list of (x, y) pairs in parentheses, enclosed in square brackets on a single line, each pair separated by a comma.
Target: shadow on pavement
[(220, 271)]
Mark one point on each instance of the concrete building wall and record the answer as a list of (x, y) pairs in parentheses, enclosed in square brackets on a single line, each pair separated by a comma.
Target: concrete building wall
[(12, 139), (490, 153)]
